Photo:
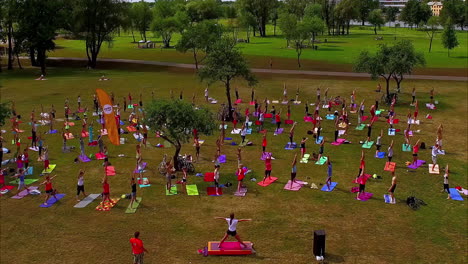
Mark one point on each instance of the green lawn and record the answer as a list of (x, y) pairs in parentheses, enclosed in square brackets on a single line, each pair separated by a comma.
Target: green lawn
[(174, 227), (341, 50)]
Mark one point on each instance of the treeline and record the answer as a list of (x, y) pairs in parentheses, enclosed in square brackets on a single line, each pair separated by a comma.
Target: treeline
[(31, 26)]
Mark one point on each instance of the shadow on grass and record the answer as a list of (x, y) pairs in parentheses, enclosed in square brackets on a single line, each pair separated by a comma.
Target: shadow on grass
[(331, 258)]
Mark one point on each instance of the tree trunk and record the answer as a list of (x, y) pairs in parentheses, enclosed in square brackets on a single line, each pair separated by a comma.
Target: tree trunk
[(430, 44), (363, 22), (144, 35), (133, 35), (298, 59), (195, 58), (32, 56), (19, 62), (228, 95), (375, 30), (387, 80), (176, 155), (10, 46), (41, 60)]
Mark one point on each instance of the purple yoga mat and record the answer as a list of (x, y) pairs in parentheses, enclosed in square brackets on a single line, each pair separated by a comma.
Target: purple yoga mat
[(23, 193), (53, 131), (265, 155), (418, 164), (142, 167), (84, 158), (279, 131), (52, 200), (365, 196), (222, 159)]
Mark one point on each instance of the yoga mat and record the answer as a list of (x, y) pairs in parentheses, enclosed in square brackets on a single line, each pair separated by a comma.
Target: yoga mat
[(69, 136), (304, 160), (106, 206), (52, 200), (25, 192), (246, 141), (265, 155), (332, 186), (84, 134), (110, 170), (192, 189), (330, 117), (53, 131), (84, 158), (391, 131), (418, 164), (141, 168), (296, 186), (212, 191), (308, 118), (222, 159), (406, 147), (267, 181), (364, 118), (377, 112), (455, 195), (322, 160), (173, 190), (132, 210), (364, 196), (145, 183), (50, 169), (138, 136), (249, 131), (26, 181), (387, 198), (242, 192), (390, 166), (238, 101), (360, 127), (338, 142), (100, 156), (209, 177), (268, 115), (436, 169), (368, 145), (381, 155), (29, 171), (288, 122), (227, 138), (319, 140), (90, 198), (6, 189), (236, 131), (290, 146), (131, 129), (31, 148), (279, 131)]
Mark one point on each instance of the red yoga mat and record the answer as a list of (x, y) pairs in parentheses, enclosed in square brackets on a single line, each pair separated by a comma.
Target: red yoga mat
[(209, 177), (267, 181), (212, 191), (110, 171)]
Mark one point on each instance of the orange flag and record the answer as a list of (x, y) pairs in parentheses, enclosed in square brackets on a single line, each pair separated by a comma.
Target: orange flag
[(109, 117)]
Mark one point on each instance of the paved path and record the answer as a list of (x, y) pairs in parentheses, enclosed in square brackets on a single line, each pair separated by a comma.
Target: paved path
[(274, 71)]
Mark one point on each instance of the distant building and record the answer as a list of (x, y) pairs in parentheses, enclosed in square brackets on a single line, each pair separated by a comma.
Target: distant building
[(435, 7), (393, 3)]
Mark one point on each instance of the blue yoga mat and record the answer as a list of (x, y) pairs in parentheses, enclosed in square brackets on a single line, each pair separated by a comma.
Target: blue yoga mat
[(381, 155), (52, 200), (455, 195), (29, 171), (332, 186), (387, 198), (319, 140), (290, 146)]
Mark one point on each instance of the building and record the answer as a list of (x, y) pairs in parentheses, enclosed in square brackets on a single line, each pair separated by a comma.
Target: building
[(435, 7), (393, 3)]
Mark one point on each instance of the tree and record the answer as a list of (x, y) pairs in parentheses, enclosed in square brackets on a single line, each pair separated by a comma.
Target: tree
[(37, 27), (449, 36), (199, 10), (315, 25), (313, 10), (287, 23), (364, 8), (431, 28), (391, 13), (456, 10), (224, 63), (296, 7), (390, 61), (405, 60), (168, 19), (345, 11), (246, 21), (199, 38), (98, 20), (300, 35), (5, 113), (260, 9), (142, 17), (175, 120), (376, 19), (414, 12), (9, 10)]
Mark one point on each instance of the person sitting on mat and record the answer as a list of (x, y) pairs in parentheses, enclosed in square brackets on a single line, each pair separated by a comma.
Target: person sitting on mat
[(80, 185), (267, 167), (232, 229), (446, 181), (48, 188), (391, 190), (329, 173), (293, 170)]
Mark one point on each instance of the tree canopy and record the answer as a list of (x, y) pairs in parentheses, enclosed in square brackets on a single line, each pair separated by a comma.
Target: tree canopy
[(260, 9), (142, 17), (415, 12), (376, 19), (449, 36), (169, 18)]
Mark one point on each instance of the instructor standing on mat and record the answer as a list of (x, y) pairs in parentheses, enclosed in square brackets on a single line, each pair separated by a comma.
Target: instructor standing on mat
[(232, 229)]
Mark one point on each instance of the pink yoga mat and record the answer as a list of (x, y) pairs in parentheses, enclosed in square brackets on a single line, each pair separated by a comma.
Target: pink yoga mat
[(296, 186), (365, 196), (100, 156), (267, 181), (23, 193), (110, 171), (338, 142)]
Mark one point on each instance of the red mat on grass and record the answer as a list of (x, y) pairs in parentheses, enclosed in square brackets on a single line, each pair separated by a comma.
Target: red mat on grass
[(209, 177), (212, 191), (110, 171), (267, 181), (390, 166)]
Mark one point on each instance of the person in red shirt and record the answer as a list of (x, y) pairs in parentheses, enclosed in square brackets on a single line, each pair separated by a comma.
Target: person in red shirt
[(240, 177), (267, 167), (362, 165), (264, 143), (105, 190), (138, 249), (278, 121), (362, 184), (415, 152), (48, 188)]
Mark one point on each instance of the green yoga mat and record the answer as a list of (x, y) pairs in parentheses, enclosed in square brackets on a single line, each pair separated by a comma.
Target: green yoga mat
[(132, 210), (406, 147), (26, 181), (192, 189), (173, 190), (322, 160), (368, 145), (377, 112), (51, 168), (304, 160), (306, 156), (245, 143), (360, 127)]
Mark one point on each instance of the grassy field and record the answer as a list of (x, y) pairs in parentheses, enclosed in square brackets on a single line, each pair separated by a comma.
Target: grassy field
[(337, 54), (174, 227)]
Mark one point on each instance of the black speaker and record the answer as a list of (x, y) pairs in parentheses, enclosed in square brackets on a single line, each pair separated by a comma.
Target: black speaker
[(319, 242)]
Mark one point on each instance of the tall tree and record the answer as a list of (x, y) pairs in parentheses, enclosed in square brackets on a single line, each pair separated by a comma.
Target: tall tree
[(199, 38), (199, 10), (391, 13), (5, 112), (313, 10), (296, 7), (98, 20), (431, 28), (225, 63), (260, 9), (345, 11), (315, 25), (10, 12), (168, 19), (364, 8), (300, 35), (287, 23), (37, 26), (449, 36), (142, 17), (246, 21), (415, 12), (175, 120), (376, 19), (456, 10), (390, 62)]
